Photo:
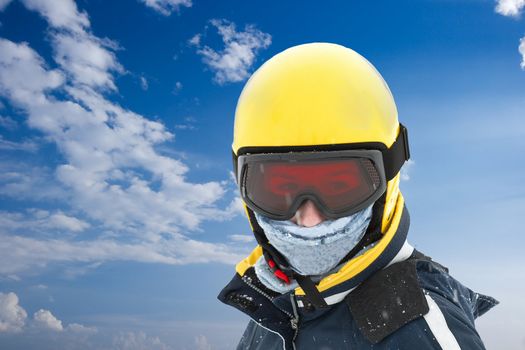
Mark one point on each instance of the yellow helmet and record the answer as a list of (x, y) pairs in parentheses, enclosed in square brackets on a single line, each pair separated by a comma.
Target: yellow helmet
[(323, 97), (318, 94)]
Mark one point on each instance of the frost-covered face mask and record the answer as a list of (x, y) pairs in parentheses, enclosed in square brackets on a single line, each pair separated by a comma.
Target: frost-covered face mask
[(318, 249)]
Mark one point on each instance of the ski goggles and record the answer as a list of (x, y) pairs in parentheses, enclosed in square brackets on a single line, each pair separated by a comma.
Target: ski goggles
[(340, 183)]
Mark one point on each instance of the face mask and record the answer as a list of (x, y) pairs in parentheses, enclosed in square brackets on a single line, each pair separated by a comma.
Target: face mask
[(316, 250)]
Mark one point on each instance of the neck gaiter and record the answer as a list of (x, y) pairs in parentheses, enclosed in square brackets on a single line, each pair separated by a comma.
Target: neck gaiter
[(316, 250)]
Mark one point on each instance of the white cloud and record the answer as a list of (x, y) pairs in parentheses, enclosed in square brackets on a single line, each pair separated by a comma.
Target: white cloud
[(13, 318), (23, 75), (86, 58), (12, 315), (232, 63), (137, 341), (510, 7), (166, 7), (61, 221), (60, 13), (46, 320), (522, 52), (144, 83), (111, 171)]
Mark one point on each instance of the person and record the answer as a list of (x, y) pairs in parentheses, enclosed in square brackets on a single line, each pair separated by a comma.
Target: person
[(317, 153)]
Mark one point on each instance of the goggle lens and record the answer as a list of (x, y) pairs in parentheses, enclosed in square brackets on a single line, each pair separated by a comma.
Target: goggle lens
[(277, 187)]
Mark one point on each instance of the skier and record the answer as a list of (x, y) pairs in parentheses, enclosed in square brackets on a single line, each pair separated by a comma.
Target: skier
[(317, 152)]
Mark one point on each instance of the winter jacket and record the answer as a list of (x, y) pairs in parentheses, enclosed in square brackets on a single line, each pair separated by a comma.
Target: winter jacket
[(404, 300)]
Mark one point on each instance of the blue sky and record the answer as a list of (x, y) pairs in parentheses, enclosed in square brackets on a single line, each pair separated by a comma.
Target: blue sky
[(119, 220)]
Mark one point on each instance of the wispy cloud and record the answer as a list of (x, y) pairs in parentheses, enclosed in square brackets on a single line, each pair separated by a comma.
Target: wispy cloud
[(166, 7), (188, 123), (511, 8), (20, 181), (136, 341), (25, 146), (195, 40), (8, 123), (242, 238), (144, 83), (233, 62), (37, 220), (81, 329), (20, 253), (111, 171), (177, 88)]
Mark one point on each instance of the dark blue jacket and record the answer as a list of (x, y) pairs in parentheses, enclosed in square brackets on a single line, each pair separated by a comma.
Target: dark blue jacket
[(412, 303)]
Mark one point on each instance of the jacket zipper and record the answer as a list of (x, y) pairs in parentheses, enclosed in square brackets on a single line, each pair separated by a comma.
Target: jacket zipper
[(294, 318)]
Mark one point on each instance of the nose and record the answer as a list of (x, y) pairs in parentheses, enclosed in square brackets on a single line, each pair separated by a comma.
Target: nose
[(308, 215)]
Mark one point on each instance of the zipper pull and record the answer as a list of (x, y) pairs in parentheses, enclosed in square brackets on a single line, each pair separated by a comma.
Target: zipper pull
[(294, 324)]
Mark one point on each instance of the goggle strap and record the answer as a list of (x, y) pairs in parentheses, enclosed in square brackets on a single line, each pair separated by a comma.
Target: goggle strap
[(395, 156), (257, 230), (310, 290), (374, 228), (234, 159)]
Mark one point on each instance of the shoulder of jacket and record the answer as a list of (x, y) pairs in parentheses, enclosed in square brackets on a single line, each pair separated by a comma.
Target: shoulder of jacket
[(388, 300)]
